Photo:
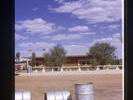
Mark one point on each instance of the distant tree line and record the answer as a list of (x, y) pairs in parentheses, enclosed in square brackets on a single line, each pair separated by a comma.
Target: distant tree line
[(99, 54)]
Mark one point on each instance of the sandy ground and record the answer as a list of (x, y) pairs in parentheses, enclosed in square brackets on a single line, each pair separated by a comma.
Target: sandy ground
[(107, 84)]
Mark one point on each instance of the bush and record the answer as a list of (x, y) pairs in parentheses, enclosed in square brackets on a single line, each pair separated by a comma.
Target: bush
[(120, 66), (92, 68), (38, 69)]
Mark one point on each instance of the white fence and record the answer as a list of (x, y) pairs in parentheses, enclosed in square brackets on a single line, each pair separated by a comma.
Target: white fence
[(77, 68)]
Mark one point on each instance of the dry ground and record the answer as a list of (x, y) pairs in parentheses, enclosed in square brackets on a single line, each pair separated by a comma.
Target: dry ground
[(106, 86)]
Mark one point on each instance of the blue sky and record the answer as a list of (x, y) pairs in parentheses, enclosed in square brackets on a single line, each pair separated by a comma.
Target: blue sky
[(75, 24)]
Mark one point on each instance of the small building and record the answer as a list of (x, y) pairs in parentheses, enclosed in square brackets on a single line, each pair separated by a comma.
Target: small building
[(23, 64), (78, 60), (16, 60), (17, 64)]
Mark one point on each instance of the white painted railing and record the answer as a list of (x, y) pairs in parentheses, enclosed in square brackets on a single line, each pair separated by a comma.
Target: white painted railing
[(81, 68)]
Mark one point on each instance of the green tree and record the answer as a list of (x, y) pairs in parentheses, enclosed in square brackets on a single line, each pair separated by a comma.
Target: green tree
[(18, 55), (33, 59), (102, 54), (118, 62), (55, 57)]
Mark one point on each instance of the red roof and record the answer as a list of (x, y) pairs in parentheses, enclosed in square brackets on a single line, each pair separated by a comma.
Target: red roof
[(69, 57)]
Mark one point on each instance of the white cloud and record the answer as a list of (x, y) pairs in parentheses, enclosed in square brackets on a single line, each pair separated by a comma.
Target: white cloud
[(76, 49), (71, 49), (36, 45), (67, 37), (88, 33), (116, 35), (59, 1), (61, 28), (20, 37), (112, 40), (46, 37), (68, 7), (25, 53), (18, 27), (35, 9), (37, 26), (113, 26), (93, 10), (78, 29)]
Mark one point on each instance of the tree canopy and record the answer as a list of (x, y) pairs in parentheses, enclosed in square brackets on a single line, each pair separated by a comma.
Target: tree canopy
[(18, 55), (55, 57), (102, 53)]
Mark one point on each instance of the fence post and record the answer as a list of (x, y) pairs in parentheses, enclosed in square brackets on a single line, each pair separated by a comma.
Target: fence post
[(79, 69), (36, 70), (84, 91), (62, 69), (52, 70), (117, 67), (29, 69), (70, 70), (98, 68), (107, 67), (43, 70), (88, 69)]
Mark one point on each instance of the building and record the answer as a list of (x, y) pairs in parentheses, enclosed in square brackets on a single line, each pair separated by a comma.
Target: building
[(23, 64), (77, 60), (16, 60), (17, 64)]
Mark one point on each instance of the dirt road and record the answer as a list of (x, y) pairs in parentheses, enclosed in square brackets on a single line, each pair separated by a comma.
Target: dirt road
[(106, 86)]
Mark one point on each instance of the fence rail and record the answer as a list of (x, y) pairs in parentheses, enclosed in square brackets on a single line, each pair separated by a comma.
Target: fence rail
[(77, 68)]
